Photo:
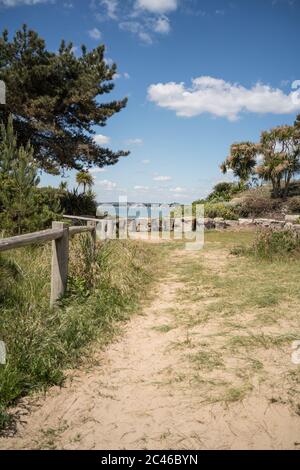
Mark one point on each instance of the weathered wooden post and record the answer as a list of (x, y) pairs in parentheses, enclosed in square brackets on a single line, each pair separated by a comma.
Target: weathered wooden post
[(60, 262), (93, 224)]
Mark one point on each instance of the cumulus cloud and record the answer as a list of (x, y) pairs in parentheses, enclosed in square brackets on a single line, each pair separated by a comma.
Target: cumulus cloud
[(16, 3), (157, 6), (162, 178), (100, 139), (95, 33), (106, 185), (221, 98), (162, 25)]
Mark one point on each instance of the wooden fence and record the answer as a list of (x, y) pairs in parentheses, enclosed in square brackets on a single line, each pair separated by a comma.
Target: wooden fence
[(59, 234)]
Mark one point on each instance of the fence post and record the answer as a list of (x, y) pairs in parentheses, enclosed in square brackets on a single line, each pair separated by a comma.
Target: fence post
[(60, 262), (93, 224)]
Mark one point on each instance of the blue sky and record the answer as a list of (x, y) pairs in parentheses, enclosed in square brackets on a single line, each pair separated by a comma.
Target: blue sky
[(199, 75)]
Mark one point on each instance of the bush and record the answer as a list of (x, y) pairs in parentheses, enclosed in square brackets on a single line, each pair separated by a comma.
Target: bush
[(258, 206), (293, 205), (273, 244), (224, 191), (220, 209)]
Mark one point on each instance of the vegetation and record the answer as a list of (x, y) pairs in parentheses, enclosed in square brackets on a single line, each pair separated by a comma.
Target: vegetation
[(279, 156), (85, 179), (241, 161), (236, 317), (272, 244), (41, 342), (61, 106), (223, 191)]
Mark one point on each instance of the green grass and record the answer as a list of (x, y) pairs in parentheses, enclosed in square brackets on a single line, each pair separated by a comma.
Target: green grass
[(251, 310), (41, 342)]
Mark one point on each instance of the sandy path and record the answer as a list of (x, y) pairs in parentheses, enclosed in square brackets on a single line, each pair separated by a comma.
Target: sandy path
[(137, 397)]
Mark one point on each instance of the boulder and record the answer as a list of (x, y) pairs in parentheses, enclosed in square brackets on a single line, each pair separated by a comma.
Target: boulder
[(208, 223), (232, 223), (246, 222), (296, 227), (294, 219), (155, 225), (178, 225), (167, 224), (142, 225), (189, 224)]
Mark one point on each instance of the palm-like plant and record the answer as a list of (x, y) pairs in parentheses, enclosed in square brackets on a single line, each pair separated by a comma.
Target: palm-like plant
[(85, 179), (280, 148), (241, 161)]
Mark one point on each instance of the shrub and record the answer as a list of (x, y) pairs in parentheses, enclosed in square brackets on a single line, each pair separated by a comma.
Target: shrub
[(293, 205), (272, 244), (224, 191), (256, 206), (219, 209)]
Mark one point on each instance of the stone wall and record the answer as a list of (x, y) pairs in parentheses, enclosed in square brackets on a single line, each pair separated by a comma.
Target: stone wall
[(109, 227)]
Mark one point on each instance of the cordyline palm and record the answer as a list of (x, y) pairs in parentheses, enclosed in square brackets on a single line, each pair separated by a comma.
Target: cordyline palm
[(280, 148), (85, 179), (241, 161)]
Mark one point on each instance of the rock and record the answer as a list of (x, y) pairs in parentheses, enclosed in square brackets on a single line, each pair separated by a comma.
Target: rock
[(189, 224), (264, 222), (178, 225), (296, 227), (155, 225), (218, 220), (294, 219), (221, 225), (142, 225), (167, 224), (232, 223), (246, 222), (209, 223)]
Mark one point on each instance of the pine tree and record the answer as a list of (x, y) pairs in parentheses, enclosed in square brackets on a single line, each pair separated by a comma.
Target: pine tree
[(54, 98), (18, 179)]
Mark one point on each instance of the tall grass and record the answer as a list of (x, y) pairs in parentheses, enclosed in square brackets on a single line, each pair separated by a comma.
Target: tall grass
[(42, 342), (273, 245)]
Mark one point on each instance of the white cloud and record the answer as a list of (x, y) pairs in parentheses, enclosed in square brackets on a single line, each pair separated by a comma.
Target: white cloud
[(126, 75), (177, 190), (107, 185), (141, 188), (222, 99), (95, 33), (162, 178), (146, 162), (100, 139), (145, 37), (111, 8), (157, 6), (162, 25), (16, 3), (135, 141), (97, 170)]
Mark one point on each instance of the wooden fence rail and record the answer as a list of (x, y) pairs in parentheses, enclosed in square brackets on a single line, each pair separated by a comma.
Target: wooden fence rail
[(59, 235)]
